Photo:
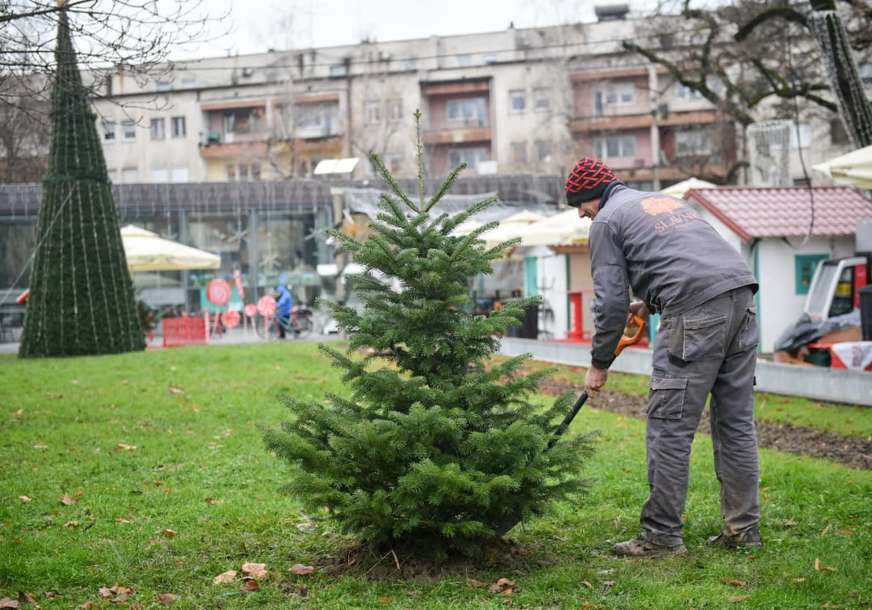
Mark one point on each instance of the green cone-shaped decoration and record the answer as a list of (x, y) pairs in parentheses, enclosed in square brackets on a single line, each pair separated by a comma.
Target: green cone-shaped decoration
[(81, 294)]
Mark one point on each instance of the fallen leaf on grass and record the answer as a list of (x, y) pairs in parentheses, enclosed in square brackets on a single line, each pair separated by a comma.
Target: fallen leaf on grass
[(798, 579), (300, 570), (214, 501), (8, 602), (385, 600), (825, 530), (305, 526), (789, 523), (125, 447), (503, 586), (168, 533), (87, 606), (40, 446), (820, 567), (167, 598), (174, 390), (587, 584), (250, 584), (254, 570), (19, 413), (71, 524), (738, 598), (589, 607), (26, 598), (52, 595), (74, 381), (477, 584), (845, 532), (67, 500), (829, 605), (225, 577), (733, 582), (122, 520), (608, 584), (25, 499)]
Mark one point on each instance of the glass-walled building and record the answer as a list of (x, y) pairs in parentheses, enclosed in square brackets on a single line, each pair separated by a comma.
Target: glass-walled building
[(270, 232)]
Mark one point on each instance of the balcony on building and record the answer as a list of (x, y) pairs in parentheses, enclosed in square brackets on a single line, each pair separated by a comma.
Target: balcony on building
[(457, 123), (234, 129)]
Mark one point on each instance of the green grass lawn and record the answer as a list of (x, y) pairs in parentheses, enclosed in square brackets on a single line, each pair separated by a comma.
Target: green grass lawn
[(199, 468)]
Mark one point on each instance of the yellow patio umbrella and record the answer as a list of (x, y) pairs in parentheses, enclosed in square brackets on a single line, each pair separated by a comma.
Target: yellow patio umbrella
[(854, 168), (147, 251)]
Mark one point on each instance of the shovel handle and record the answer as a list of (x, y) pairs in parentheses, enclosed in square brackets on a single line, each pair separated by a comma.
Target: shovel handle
[(627, 341)]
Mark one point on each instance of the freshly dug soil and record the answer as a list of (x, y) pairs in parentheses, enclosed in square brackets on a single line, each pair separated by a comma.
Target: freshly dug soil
[(504, 556), (852, 451)]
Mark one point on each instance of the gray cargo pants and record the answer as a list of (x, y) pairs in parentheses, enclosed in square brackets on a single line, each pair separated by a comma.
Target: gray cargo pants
[(711, 348)]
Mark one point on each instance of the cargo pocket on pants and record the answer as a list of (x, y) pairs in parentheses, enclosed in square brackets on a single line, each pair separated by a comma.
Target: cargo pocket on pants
[(703, 338), (748, 336), (666, 398)]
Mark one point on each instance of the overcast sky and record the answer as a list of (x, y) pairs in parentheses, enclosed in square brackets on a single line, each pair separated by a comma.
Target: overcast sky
[(257, 25)]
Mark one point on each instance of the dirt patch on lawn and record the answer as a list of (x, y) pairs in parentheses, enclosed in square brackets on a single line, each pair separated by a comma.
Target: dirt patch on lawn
[(504, 557), (855, 452)]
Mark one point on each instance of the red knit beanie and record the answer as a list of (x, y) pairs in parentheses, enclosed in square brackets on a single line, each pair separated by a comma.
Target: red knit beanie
[(587, 180)]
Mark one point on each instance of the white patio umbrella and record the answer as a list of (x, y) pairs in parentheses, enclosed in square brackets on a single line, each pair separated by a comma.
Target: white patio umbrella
[(147, 251), (564, 229), (679, 189), (854, 168), (510, 228)]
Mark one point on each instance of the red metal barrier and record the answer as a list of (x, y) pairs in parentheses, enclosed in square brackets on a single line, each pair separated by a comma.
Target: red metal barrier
[(185, 330), (576, 331)]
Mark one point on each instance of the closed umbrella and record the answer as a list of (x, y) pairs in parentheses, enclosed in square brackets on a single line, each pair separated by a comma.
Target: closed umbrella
[(147, 251), (564, 229)]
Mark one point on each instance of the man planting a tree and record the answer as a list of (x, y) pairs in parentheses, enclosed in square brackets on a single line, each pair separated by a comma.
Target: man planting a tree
[(707, 344)]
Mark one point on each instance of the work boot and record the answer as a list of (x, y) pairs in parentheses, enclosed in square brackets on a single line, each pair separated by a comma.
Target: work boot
[(642, 547), (746, 539)]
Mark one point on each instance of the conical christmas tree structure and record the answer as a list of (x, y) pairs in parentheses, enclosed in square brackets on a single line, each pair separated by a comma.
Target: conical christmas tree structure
[(436, 445), (81, 295)]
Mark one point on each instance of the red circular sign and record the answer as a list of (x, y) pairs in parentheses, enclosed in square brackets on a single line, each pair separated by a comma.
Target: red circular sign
[(218, 292), (251, 310), (266, 306), (230, 318)]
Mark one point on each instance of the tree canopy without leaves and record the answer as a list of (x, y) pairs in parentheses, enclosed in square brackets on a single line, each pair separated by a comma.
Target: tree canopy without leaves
[(740, 54)]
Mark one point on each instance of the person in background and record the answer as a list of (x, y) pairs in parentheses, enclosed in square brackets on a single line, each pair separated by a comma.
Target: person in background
[(284, 305)]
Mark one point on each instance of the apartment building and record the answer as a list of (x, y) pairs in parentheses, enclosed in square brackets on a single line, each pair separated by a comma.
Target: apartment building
[(522, 100)]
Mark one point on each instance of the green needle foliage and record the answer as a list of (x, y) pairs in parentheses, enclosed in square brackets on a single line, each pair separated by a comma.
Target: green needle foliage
[(81, 295), (434, 448)]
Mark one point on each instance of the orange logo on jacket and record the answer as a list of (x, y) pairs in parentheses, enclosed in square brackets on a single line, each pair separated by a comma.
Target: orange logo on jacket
[(660, 205)]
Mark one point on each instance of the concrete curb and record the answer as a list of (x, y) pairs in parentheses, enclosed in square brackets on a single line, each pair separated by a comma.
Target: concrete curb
[(833, 385)]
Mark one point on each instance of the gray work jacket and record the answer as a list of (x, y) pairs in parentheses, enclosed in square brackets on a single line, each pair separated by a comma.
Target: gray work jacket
[(662, 249)]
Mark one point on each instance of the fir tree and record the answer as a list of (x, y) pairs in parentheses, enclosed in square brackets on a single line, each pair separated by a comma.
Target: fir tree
[(438, 446), (81, 294)]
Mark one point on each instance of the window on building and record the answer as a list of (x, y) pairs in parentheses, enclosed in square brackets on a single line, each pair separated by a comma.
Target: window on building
[(395, 109), (615, 146), (157, 129), (541, 100), (128, 130), (163, 85), (179, 174), (338, 70), (469, 110), (805, 266), (470, 155), (613, 95), (109, 131), (693, 143), (372, 112), (243, 120), (804, 136), (685, 92), (179, 127), (410, 64), (866, 74), (517, 100), (838, 133), (518, 152), (464, 59), (242, 172), (543, 150), (160, 176)]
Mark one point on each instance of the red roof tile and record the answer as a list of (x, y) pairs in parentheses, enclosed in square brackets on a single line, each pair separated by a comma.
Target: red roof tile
[(754, 212)]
